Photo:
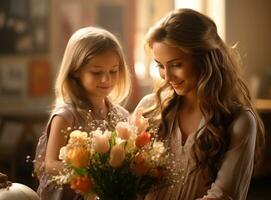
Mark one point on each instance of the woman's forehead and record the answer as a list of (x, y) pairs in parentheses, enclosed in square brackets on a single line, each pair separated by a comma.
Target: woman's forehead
[(163, 52)]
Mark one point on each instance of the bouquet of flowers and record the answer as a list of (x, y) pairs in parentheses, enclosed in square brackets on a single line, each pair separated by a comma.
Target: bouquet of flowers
[(115, 165)]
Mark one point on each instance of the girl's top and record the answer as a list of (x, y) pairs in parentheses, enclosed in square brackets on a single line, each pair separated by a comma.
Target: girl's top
[(235, 172), (47, 189)]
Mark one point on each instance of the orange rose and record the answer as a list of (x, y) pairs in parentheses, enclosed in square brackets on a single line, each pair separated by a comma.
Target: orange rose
[(157, 172), (81, 184), (142, 139), (141, 166), (78, 157)]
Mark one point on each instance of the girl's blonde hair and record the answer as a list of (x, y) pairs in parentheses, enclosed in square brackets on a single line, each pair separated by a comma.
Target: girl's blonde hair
[(83, 45), (221, 91)]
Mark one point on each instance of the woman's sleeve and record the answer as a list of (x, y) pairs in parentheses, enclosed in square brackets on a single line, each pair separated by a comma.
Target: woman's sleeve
[(145, 103), (235, 173)]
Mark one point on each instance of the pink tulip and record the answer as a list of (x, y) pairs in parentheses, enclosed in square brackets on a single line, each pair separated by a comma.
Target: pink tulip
[(117, 156), (141, 122), (122, 129), (101, 143)]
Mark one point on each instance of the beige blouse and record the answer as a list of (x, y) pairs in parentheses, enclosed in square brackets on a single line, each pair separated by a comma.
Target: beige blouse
[(234, 175)]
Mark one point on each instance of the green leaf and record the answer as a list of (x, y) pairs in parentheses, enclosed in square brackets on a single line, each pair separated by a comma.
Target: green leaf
[(81, 171), (113, 139)]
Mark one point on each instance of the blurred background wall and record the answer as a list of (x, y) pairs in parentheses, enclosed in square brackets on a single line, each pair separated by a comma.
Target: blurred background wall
[(33, 36)]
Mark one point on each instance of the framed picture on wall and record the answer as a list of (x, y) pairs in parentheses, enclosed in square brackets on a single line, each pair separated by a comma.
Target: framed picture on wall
[(13, 79), (38, 78), (69, 18), (119, 18), (23, 26)]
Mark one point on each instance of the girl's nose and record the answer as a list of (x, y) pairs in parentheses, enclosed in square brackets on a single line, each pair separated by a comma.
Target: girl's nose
[(105, 77)]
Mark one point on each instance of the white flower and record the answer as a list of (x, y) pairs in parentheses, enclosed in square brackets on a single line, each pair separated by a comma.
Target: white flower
[(78, 134), (62, 153), (97, 132), (108, 133), (159, 147), (157, 150)]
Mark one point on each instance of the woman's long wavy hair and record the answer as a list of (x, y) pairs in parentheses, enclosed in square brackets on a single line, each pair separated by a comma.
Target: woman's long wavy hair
[(83, 45), (221, 91)]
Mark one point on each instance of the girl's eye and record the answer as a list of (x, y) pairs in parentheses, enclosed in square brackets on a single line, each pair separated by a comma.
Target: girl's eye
[(96, 73), (114, 72)]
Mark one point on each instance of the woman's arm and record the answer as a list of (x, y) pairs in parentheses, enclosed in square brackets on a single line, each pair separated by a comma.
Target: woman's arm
[(57, 139), (236, 170)]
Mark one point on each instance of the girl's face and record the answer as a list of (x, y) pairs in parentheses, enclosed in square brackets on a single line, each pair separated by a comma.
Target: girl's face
[(176, 67), (100, 75)]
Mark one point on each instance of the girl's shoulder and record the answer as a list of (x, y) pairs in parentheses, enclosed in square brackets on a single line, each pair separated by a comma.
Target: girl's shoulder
[(65, 111)]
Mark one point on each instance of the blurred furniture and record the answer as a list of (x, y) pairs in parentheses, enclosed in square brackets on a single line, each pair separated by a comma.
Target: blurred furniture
[(263, 107), (15, 127)]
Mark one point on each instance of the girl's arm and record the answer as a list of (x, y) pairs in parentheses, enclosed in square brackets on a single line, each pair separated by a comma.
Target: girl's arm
[(57, 139), (236, 170)]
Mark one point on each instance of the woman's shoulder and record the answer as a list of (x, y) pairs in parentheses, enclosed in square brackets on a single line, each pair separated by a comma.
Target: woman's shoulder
[(244, 123)]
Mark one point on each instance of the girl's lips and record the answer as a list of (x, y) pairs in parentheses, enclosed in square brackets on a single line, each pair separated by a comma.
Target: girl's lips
[(104, 87)]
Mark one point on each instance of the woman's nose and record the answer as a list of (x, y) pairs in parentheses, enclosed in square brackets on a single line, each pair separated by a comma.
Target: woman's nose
[(168, 75)]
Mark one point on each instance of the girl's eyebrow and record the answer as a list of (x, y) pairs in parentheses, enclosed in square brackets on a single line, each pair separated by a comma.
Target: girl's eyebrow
[(170, 61), (98, 66)]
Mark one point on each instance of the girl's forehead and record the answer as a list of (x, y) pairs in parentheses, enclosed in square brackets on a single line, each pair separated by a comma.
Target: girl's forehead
[(105, 59)]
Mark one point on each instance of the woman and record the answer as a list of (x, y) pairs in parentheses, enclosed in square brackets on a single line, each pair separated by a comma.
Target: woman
[(203, 109)]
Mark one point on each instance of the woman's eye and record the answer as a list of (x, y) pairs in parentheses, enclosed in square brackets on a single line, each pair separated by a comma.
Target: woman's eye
[(160, 66), (176, 64)]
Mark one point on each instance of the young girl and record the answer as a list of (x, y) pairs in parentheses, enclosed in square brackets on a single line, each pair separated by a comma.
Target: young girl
[(93, 75), (203, 109)]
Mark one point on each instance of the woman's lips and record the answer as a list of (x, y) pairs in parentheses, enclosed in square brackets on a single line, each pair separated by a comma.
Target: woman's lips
[(176, 85)]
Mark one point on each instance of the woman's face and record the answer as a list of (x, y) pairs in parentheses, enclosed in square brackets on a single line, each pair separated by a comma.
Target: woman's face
[(100, 75), (176, 67)]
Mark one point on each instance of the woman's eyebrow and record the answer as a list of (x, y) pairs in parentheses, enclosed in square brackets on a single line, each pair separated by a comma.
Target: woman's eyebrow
[(170, 61)]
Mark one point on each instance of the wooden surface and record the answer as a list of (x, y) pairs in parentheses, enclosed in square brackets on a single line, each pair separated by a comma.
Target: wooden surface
[(263, 105)]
